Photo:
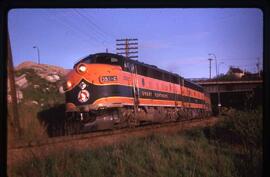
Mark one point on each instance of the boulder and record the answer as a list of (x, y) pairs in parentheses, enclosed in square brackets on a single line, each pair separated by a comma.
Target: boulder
[(61, 90), (42, 75), (56, 77), (36, 86), (52, 78), (21, 81), (34, 102)]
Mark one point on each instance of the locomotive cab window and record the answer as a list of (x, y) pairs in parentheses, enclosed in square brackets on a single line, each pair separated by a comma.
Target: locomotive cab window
[(100, 59), (105, 60), (114, 60)]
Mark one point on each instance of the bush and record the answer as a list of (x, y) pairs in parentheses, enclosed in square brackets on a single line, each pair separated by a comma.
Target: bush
[(242, 130)]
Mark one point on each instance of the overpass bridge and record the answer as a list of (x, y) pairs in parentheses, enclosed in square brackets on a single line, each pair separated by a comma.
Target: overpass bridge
[(243, 94), (230, 86)]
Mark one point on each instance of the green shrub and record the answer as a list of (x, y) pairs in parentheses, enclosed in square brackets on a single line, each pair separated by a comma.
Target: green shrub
[(241, 130)]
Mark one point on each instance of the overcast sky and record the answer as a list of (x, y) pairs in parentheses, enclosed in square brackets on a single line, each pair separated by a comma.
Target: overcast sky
[(177, 40)]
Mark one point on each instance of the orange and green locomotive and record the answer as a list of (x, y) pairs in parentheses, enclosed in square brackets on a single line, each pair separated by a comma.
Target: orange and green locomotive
[(108, 90)]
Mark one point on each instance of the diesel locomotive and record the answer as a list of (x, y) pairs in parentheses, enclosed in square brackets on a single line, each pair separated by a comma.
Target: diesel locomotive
[(106, 90)]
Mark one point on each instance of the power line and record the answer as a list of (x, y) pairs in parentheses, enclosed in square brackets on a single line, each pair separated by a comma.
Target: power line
[(97, 28), (105, 32), (85, 33), (239, 58), (59, 21), (75, 28), (92, 24)]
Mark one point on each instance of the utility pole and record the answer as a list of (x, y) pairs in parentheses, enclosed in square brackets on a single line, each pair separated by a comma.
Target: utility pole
[(13, 93), (218, 94), (128, 47), (215, 60), (210, 60), (36, 47)]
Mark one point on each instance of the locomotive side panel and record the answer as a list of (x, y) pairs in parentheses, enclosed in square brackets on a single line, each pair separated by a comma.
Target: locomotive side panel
[(156, 93)]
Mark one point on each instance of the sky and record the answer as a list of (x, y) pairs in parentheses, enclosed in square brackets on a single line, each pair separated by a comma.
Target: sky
[(176, 39)]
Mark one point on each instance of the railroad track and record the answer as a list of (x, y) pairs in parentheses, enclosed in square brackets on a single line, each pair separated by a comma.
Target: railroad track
[(90, 140)]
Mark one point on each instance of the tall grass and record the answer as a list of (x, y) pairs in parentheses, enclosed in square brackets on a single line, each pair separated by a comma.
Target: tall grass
[(32, 128), (35, 101), (242, 130), (199, 152), (157, 155)]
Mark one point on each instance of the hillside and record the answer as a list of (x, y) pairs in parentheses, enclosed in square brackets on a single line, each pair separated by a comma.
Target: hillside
[(40, 99), (39, 83), (42, 68)]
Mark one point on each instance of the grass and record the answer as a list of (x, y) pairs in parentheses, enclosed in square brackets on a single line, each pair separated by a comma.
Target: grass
[(195, 153), (32, 128), (157, 155), (32, 125)]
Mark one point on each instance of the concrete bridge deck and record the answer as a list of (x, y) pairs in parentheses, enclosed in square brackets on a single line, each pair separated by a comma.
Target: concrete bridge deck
[(230, 86)]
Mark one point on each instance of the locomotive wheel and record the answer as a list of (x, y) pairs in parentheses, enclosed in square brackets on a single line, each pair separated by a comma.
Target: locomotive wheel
[(123, 118), (132, 119), (127, 118)]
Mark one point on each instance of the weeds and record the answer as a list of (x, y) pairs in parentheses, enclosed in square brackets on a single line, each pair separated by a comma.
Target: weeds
[(39, 96), (158, 156), (195, 153)]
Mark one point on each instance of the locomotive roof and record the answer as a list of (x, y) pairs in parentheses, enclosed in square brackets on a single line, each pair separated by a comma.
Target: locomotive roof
[(144, 64), (137, 62)]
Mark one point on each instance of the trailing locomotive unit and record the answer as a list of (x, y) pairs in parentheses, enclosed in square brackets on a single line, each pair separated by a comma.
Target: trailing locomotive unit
[(105, 90)]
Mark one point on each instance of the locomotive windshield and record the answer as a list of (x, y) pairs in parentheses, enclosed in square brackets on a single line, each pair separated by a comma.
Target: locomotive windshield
[(101, 59)]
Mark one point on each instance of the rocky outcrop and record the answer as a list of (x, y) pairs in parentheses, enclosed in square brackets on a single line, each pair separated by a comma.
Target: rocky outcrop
[(29, 80), (43, 70), (52, 78), (61, 90), (34, 102), (21, 81)]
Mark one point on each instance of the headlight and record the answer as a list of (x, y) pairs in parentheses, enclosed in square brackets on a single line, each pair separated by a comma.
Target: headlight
[(69, 84), (82, 68)]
